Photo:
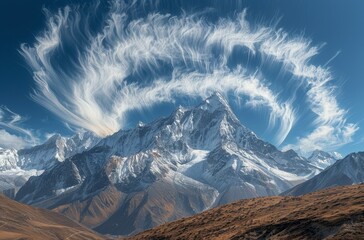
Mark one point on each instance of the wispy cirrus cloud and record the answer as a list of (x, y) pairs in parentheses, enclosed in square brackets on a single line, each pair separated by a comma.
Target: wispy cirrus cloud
[(130, 64), (331, 129), (12, 134)]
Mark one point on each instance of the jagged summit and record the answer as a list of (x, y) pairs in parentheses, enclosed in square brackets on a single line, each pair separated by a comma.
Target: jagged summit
[(55, 149), (218, 103), (318, 152), (322, 159), (214, 102), (8, 159), (206, 126), (54, 138)]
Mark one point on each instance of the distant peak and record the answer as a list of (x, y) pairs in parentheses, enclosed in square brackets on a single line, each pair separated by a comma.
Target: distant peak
[(218, 98), (318, 151), (321, 153), (82, 137), (336, 155), (54, 137), (84, 134), (291, 152), (215, 101)]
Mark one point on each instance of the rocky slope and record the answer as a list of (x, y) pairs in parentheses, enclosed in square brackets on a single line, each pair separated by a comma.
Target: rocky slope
[(347, 171), (175, 167), (336, 213), (19, 221)]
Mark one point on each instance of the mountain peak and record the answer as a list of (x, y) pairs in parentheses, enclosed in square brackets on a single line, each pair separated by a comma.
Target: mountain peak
[(322, 159), (321, 153), (336, 155), (83, 135), (216, 101), (54, 138), (291, 153)]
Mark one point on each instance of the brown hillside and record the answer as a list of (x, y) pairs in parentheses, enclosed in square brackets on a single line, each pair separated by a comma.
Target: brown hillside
[(336, 213), (19, 221)]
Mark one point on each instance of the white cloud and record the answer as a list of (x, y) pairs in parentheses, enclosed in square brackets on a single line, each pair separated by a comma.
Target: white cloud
[(12, 134), (8, 140), (97, 93), (331, 127)]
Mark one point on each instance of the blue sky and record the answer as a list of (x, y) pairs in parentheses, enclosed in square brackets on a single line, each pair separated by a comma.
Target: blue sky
[(293, 71)]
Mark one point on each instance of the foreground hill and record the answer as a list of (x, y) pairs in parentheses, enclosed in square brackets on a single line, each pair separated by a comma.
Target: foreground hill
[(336, 213), (19, 221)]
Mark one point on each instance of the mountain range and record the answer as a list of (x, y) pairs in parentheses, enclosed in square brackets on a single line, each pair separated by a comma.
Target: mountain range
[(193, 160), (177, 166), (17, 166)]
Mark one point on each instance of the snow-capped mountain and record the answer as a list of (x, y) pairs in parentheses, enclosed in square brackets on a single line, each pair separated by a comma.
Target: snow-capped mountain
[(323, 159), (55, 149), (174, 167), (8, 159), (347, 171), (16, 167), (336, 155), (11, 176)]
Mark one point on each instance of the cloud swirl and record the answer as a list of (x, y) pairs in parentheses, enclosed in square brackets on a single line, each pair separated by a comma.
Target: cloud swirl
[(12, 134), (134, 63)]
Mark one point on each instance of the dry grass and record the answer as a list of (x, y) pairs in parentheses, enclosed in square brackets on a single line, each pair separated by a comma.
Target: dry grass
[(19, 221), (336, 213)]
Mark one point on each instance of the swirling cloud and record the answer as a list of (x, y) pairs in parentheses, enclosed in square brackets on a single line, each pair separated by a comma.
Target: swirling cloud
[(12, 134), (93, 77), (331, 127)]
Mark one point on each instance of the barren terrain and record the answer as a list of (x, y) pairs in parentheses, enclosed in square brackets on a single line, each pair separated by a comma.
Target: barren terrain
[(336, 213), (19, 221)]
